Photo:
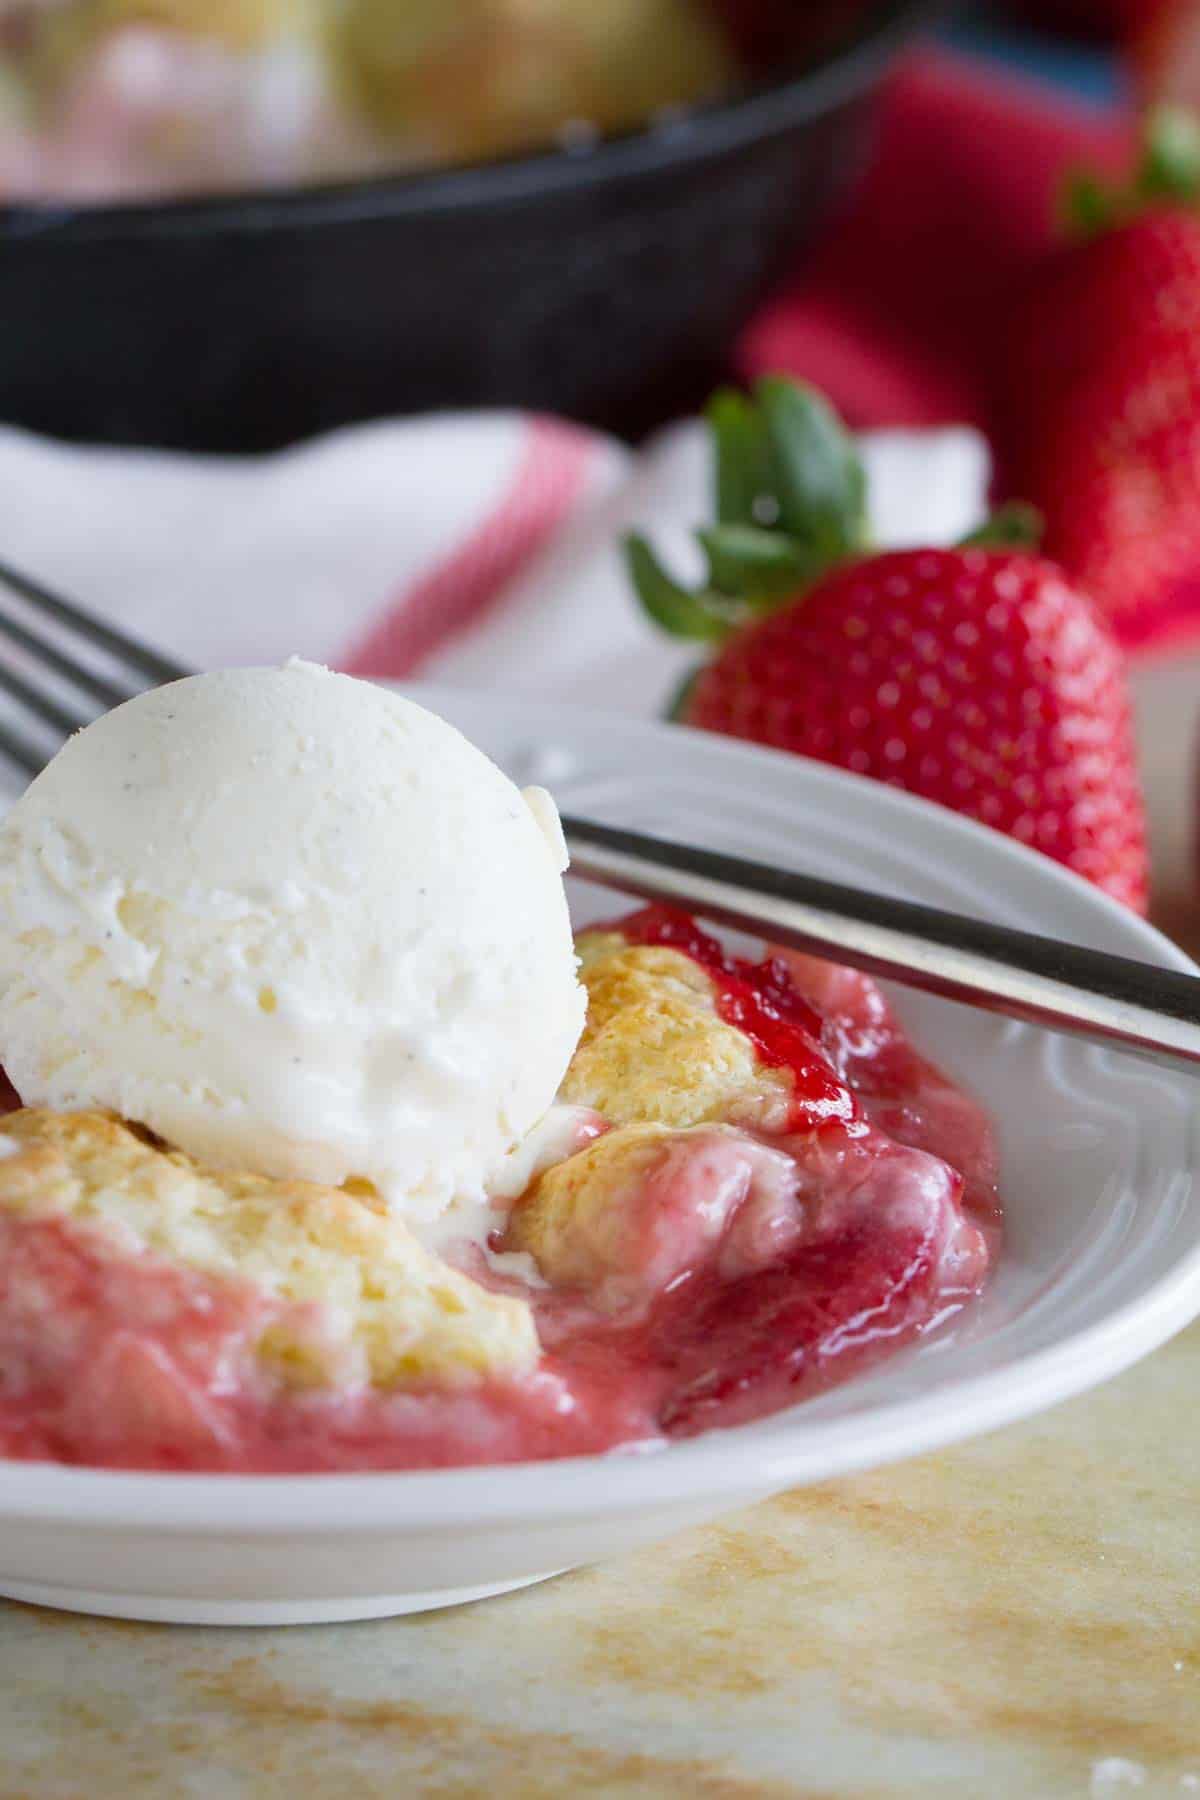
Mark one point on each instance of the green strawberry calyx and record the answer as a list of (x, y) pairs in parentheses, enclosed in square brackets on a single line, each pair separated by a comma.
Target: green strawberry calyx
[(1014, 526), (1167, 173), (790, 496), (790, 501)]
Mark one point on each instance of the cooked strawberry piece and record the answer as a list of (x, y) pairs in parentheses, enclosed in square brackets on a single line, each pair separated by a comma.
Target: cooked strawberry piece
[(901, 1091), (783, 1327), (888, 1252), (118, 1359)]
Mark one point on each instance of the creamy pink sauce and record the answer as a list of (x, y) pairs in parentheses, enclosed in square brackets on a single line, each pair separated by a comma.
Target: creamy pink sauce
[(752, 1272)]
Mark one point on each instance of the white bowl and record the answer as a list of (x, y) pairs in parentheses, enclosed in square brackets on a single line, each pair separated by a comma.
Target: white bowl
[(1101, 1261)]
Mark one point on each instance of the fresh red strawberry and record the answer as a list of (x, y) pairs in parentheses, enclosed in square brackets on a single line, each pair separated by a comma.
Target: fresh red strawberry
[(978, 677), (1100, 409)]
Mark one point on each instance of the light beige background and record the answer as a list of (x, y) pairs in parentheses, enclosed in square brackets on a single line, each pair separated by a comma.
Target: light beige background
[(1018, 1617)]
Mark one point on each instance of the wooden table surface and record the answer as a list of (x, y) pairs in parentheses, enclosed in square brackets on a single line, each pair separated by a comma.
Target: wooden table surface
[(1019, 1616)]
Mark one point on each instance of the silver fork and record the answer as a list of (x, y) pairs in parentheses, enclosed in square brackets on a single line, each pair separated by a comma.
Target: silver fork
[(75, 655), (66, 652)]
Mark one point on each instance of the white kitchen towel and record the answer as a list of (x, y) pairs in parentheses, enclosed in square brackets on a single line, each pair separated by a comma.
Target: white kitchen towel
[(480, 549)]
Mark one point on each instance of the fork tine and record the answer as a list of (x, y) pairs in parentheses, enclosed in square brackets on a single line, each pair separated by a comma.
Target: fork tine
[(147, 662), (21, 751), (107, 692), (41, 705)]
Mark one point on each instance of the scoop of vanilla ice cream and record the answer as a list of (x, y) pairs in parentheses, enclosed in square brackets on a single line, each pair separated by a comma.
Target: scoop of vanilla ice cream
[(294, 923)]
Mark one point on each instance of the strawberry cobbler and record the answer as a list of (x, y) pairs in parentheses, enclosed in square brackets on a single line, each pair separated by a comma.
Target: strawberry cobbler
[(722, 1186)]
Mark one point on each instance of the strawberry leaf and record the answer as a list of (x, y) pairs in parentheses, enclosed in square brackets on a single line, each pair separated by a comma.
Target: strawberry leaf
[(754, 565), (1170, 165), (1167, 173), (790, 501), (679, 612), (1016, 526), (819, 481), (742, 463), (677, 706), (1088, 206)]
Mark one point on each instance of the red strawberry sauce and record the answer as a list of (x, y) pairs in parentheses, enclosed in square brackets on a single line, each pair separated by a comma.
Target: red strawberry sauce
[(802, 1256), (762, 1000)]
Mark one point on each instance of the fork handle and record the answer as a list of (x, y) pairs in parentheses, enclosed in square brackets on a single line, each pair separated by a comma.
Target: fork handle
[(1151, 1012)]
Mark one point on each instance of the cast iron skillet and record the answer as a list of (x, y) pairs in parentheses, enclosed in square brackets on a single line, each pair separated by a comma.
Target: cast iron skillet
[(601, 285)]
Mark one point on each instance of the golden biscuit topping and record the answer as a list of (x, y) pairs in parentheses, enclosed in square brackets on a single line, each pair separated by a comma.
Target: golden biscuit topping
[(574, 1219), (654, 1048), (372, 1303)]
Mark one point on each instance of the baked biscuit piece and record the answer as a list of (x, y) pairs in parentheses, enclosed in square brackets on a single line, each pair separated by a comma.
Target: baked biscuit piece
[(369, 1301), (623, 1218), (654, 1048), (575, 1218)]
